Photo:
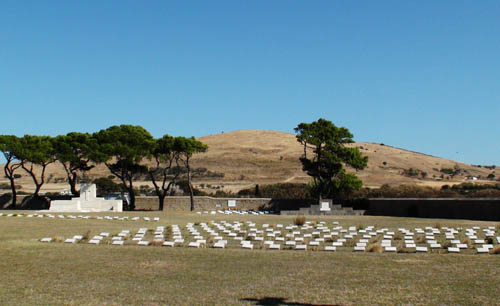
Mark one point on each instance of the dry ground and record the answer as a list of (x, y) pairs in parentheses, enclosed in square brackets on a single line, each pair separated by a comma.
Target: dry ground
[(33, 273), (249, 157)]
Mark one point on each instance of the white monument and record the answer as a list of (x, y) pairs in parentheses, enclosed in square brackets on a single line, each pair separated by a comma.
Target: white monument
[(87, 202), (325, 206)]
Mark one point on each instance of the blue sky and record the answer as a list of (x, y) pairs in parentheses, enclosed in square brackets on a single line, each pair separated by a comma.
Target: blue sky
[(422, 75)]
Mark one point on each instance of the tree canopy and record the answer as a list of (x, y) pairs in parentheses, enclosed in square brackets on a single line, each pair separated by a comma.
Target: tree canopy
[(75, 151), (129, 152), (122, 148), (325, 155)]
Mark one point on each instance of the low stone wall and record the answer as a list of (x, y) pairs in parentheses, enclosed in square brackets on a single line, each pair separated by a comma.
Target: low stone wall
[(182, 203), (471, 209)]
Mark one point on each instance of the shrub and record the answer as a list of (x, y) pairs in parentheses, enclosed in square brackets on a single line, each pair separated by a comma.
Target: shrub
[(86, 236), (496, 250), (279, 191), (58, 239), (105, 185), (446, 244), (447, 170), (375, 248), (299, 220), (156, 243)]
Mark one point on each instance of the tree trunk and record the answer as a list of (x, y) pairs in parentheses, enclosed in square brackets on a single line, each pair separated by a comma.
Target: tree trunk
[(9, 173), (72, 184), (159, 193), (161, 202), (72, 176), (37, 190), (14, 193), (38, 185), (131, 205), (191, 195)]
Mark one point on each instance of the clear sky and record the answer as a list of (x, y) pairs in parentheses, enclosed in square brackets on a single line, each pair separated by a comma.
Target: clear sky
[(421, 75)]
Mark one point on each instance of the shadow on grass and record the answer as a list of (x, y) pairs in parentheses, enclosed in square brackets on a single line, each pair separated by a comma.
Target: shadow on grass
[(280, 301)]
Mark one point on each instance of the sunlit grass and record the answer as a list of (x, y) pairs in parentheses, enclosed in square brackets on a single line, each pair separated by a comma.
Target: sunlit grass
[(35, 273)]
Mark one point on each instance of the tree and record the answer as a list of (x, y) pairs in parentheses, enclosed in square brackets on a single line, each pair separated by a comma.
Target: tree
[(186, 148), (106, 185), (122, 148), (74, 152), (10, 146), (36, 150), (325, 155), (164, 153)]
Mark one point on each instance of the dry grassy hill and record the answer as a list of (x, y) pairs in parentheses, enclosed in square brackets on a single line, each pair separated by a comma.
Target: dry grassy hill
[(249, 157)]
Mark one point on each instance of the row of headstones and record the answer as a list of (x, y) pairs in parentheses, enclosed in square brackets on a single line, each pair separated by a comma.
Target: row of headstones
[(118, 239), (233, 212), (431, 240), (360, 246), (61, 216)]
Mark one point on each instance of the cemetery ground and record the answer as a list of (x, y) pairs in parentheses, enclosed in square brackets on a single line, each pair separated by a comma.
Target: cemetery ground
[(35, 273)]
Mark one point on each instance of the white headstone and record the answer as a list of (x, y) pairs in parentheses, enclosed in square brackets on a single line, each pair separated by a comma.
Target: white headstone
[(421, 249), (390, 249), (325, 206)]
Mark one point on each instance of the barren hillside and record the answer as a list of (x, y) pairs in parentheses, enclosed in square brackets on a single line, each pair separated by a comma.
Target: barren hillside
[(249, 157)]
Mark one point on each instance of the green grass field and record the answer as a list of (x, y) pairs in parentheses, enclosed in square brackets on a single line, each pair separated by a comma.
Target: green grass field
[(35, 273)]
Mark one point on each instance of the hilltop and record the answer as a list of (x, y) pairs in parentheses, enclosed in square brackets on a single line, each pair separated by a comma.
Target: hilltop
[(241, 159)]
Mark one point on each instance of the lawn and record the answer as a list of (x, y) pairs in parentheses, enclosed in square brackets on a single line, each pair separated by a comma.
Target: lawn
[(35, 273)]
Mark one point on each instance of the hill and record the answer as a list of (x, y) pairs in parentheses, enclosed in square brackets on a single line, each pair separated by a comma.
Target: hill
[(248, 157)]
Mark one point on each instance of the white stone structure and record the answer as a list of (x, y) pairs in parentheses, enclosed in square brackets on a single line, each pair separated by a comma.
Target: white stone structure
[(87, 202), (325, 206)]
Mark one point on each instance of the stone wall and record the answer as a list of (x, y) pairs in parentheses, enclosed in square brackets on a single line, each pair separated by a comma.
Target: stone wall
[(182, 203), (471, 209)]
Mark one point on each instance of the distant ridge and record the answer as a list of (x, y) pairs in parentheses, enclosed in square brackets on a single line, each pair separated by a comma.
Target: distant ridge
[(248, 157)]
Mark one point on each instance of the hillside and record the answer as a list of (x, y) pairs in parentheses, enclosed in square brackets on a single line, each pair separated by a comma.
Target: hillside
[(249, 157)]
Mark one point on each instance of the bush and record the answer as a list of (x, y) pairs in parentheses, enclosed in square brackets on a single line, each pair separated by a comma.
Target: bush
[(375, 248), (16, 176), (183, 185), (299, 220), (279, 191), (496, 250), (105, 185), (464, 190)]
